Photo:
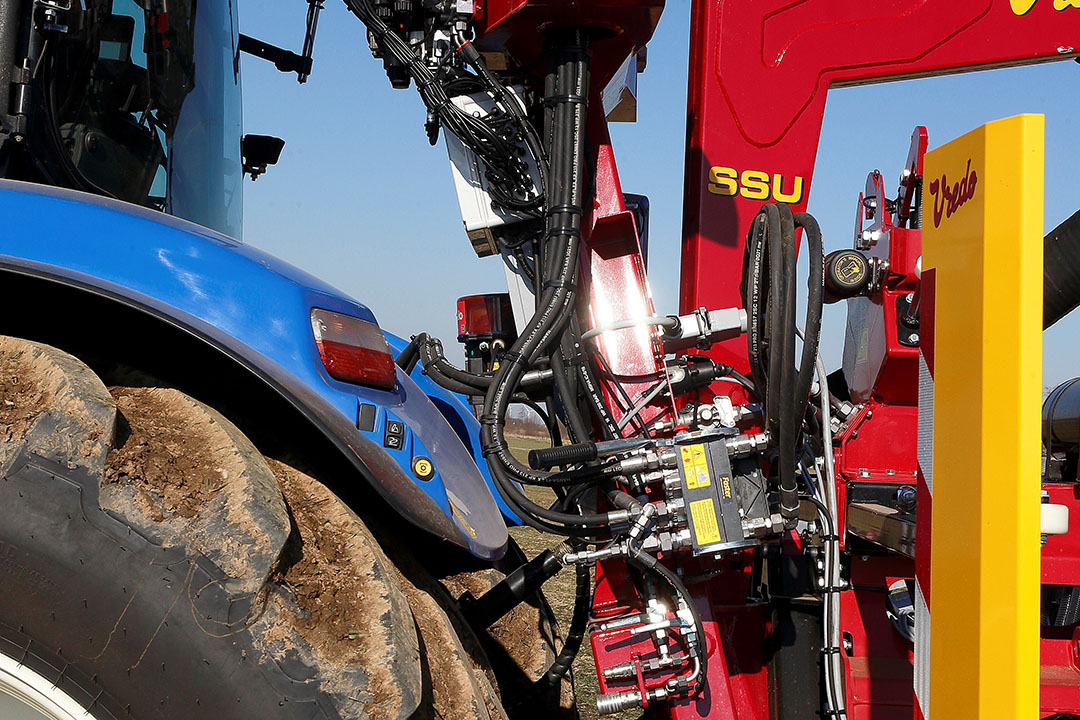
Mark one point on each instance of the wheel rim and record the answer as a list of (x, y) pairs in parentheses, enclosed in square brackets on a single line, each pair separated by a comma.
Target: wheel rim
[(23, 689)]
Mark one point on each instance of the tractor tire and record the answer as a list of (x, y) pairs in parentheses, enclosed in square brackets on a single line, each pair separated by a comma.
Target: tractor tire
[(156, 565)]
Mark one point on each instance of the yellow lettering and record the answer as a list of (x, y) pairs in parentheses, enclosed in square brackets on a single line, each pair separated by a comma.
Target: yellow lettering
[(722, 181), (778, 191), (755, 185), (1021, 7)]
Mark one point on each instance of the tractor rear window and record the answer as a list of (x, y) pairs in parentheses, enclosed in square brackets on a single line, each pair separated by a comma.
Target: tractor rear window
[(146, 97)]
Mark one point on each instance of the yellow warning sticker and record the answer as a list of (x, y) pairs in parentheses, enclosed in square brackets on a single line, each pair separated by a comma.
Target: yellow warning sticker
[(703, 513), (695, 466)]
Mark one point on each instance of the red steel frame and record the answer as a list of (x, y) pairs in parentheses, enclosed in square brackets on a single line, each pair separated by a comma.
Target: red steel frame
[(759, 75)]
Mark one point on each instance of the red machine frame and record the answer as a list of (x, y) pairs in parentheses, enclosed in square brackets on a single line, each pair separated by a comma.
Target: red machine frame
[(758, 80)]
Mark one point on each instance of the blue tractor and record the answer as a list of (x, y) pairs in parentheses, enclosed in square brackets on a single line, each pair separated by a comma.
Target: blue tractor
[(222, 497)]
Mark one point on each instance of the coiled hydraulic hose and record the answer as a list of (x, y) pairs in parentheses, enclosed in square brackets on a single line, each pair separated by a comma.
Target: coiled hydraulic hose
[(768, 289), (575, 635)]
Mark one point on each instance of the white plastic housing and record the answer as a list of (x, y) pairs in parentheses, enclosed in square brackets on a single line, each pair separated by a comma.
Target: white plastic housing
[(474, 199)]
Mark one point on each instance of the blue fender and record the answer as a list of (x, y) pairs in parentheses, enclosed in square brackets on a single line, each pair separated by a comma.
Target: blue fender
[(256, 310), (457, 411)]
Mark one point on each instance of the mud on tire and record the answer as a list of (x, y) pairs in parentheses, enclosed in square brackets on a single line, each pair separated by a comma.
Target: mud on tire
[(157, 565)]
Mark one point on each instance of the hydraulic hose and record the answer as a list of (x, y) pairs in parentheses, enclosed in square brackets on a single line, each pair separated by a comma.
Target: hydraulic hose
[(648, 563), (575, 634), (435, 363), (814, 305), (563, 221), (408, 357), (566, 385), (787, 402), (769, 291)]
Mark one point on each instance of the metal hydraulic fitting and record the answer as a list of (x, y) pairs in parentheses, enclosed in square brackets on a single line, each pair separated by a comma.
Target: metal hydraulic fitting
[(659, 625), (612, 703), (617, 702), (621, 671), (646, 460), (535, 379), (622, 622), (619, 518), (667, 541), (744, 445), (764, 526), (626, 670), (642, 524), (591, 556), (672, 483)]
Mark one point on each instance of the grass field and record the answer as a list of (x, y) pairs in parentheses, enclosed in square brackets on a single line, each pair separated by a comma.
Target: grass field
[(560, 589)]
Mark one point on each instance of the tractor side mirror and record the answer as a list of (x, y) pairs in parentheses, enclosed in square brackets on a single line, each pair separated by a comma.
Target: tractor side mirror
[(259, 152)]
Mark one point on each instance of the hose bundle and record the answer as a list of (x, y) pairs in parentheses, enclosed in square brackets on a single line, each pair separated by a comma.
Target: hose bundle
[(510, 183), (768, 288)]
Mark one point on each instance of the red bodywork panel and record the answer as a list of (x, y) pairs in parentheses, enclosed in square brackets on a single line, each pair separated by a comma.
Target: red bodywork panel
[(612, 275), (759, 74)]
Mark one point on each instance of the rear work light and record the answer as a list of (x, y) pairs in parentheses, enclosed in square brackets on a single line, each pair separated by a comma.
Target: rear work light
[(353, 350), (486, 317)]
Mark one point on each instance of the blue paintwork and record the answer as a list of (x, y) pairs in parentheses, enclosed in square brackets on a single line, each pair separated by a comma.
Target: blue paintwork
[(203, 278), (458, 413)]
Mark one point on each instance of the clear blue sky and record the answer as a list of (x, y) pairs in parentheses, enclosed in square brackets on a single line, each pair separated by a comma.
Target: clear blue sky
[(360, 199)]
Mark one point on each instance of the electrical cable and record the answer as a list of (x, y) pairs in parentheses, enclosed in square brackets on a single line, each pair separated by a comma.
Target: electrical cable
[(510, 184), (656, 320)]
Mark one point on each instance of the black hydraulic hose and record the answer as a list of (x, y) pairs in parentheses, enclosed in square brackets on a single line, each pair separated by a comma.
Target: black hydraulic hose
[(575, 634), (769, 291), (575, 423), (796, 386), (751, 289), (648, 563), (814, 305), (448, 383), (408, 357), (564, 211), (774, 295), (789, 424), (431, 355)]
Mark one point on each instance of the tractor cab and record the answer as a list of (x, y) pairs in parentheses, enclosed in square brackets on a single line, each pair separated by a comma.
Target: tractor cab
[(138, 100)]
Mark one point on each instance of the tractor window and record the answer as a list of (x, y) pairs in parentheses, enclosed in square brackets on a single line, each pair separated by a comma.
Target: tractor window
[(147, 102)]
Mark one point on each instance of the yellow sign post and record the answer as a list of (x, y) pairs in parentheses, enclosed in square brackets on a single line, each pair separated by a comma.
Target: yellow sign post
[(982, 333)]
